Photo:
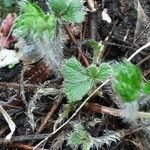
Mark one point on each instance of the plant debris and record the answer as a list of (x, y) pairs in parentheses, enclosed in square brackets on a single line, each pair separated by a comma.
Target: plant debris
[(75, 74)]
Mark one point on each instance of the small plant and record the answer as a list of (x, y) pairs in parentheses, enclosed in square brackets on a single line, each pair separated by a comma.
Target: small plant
[(34, 21), (80, 137), (129, 85), (71, 11), (44, 28), (79, 80)]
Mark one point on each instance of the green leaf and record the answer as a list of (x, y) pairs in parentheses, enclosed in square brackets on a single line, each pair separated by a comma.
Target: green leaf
[(92, 71), (58, 6), (33, 20), (104, 71), (79, 80), (79, 137), (101, 73), (146, 88), (77, 83), (97, 48), (128, 81), (68, 10)]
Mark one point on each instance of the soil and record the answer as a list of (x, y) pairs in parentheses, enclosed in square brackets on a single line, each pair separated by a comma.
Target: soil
[(124, 19)]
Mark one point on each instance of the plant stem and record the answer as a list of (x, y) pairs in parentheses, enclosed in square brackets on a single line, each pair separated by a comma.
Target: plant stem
[(138, 51), (112, 111)]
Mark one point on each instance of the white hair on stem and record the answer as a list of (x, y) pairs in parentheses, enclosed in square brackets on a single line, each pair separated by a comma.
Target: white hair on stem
[(130, 111)]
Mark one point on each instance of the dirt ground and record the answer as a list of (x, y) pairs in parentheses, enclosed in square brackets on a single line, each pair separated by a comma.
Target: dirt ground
[(120, 40)]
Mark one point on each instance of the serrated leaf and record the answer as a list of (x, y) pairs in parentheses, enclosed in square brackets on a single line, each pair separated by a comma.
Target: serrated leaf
[(104, 71), (33, 20), (75, 91), (68, 10), (100, 73), (77, 83), (79, 80), (58, 6), (79, 136), (92, 71), (128, 79), (146, 88)]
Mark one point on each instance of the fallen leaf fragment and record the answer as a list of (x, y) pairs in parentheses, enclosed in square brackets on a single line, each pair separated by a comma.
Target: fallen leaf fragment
[(11, 124), (7, 24), (105, 16), (6, 41), (8, 57), (6, 37)]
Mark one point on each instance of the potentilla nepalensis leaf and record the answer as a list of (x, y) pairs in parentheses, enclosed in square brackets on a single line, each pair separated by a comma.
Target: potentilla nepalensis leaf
[(104, 71), (34, 20), (77, 83), (79, 136), (68, 10), (100, 73), (128, 81), (79, 80), (146, 88)]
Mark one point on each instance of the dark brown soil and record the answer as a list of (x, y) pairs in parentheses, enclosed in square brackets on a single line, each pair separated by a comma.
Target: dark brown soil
[(124, 18)]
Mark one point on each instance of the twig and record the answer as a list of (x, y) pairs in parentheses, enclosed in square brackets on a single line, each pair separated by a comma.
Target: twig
[(8, 85), (26, 138), (112, 111), (92, 27), (69, 32), (138, 51), (22, 89), (11, 124), (49, 115), (142, 32), (91, 5), (143, 60), (58, 129), (22, 146)]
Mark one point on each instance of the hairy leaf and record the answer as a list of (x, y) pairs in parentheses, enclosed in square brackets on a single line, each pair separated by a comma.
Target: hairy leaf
[(99, 73), (79, 137), (128, 79), (33, 20), (104, 71), (80, 80), (68, 10), (146, 88), (107, 139), (77, 83)]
